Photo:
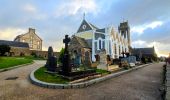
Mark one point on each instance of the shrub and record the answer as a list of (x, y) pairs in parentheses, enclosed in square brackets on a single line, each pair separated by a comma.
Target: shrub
[(4, 49)]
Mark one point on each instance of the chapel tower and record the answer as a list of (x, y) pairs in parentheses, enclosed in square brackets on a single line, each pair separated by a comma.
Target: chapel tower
[(124, 30)]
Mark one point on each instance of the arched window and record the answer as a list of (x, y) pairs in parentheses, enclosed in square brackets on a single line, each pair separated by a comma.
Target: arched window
[(100, 44)]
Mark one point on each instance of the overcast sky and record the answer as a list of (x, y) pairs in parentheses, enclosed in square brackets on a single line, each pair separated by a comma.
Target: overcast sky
[(149, 20)]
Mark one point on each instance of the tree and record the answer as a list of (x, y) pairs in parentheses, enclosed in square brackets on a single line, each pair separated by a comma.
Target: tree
[(61, 55), (4, 49)]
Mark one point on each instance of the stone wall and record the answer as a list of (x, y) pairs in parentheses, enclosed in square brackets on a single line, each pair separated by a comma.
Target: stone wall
[(43, 54), (18, 51)]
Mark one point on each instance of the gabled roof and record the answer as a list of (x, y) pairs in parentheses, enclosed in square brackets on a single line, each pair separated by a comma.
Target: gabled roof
[(19, 36), (143, 50), (14, 43), (88, 26), (81, 41)]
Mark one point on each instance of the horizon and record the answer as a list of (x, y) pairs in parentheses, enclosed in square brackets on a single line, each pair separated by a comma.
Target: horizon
[(149, 21)]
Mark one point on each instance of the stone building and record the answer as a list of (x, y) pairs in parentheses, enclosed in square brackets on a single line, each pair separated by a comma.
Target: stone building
[(79, 47), (113, 42), (17, 48), (34, 41), (144, 52)]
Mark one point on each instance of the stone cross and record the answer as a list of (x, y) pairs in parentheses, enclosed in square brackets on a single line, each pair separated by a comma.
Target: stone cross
[(66, 68), (66, 41)]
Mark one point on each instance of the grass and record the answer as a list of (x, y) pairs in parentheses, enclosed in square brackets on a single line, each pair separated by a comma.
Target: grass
[(6, 62), (41, 75), (101, 71)]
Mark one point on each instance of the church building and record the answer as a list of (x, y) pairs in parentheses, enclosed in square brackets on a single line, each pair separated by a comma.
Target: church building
[(113, 42)]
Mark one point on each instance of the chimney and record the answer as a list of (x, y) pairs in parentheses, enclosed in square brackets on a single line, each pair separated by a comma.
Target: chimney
[(31, 30)]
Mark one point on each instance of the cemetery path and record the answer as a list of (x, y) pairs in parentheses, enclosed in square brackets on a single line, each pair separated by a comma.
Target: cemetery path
[(142, 84)]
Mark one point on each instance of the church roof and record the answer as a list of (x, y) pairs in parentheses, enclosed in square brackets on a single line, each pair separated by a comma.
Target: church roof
[(85, 26), (81, 41), (143, 51), (14, 43)]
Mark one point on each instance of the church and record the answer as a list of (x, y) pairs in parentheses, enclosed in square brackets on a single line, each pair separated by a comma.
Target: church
[(108, 40)]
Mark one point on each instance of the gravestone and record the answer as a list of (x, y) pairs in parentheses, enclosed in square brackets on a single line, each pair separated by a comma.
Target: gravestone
[(51, 61), (66, 68), (103, 60), (87, 60), (50, 54)]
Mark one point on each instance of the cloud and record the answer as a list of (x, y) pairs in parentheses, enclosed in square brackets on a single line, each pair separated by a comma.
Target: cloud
[(141, 28), (29, 8), (76, 6), (10, 33)]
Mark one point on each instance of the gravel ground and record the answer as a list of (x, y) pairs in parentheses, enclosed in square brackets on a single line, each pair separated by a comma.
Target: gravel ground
[(142, 84)]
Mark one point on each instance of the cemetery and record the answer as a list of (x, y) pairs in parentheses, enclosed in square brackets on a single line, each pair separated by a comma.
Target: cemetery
[(72, 68)]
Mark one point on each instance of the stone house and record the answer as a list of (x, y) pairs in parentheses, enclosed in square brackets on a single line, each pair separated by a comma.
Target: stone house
[(34, 41), (17, 48)]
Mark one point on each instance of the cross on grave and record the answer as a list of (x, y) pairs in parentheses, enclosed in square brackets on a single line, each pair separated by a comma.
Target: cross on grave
[(66, 68), (66, 41)]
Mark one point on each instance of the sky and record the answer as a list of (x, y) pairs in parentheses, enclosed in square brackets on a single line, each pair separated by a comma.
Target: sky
[(149, 20)]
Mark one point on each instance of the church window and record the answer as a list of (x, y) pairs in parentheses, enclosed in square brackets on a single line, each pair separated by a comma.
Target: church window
[(115, 49), (100, 44), (95, 46), (103, 44), (119, 50)]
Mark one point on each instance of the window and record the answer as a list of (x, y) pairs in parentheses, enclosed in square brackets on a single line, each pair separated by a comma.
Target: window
[(100, 44), (115, 49)]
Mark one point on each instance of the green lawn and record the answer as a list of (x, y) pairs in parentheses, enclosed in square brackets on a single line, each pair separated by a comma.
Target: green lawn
[(41, 75), (6, 62)]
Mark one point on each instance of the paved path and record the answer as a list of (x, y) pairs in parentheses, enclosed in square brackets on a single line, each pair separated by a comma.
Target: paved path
[(142, 84)]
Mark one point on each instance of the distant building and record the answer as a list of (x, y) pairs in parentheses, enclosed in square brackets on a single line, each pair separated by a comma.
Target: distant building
[(144, 52), (112, 42), (34, 41), (17, 48)]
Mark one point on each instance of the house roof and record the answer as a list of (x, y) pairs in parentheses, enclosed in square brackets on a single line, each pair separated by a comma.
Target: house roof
[(14, 43), (82, 41), (143, 50)]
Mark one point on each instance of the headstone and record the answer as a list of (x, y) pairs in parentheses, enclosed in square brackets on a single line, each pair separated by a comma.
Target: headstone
[(87, 60), (50, 54), (51, 61), (103, 61), (66, 68)]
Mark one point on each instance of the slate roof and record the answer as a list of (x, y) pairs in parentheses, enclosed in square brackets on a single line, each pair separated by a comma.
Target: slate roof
[(82, 42), (89, 26), (143, 50), (14, 44), (101, 30)]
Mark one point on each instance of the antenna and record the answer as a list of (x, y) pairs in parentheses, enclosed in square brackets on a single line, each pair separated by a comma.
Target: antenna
[(84, 15)]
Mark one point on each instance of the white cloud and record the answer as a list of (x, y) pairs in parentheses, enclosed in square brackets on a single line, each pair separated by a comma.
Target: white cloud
[(75, 6), (29, 8), (141, 28), (138, 43), (10, 33)]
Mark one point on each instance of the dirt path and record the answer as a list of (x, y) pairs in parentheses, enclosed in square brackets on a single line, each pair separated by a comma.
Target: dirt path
[(142, 84)]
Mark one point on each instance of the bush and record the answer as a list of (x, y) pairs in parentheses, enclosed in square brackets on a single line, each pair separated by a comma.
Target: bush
[(4, 49), (61, 55)]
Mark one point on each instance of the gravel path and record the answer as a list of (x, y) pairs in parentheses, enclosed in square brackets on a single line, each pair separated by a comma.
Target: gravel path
[(142, 84)]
